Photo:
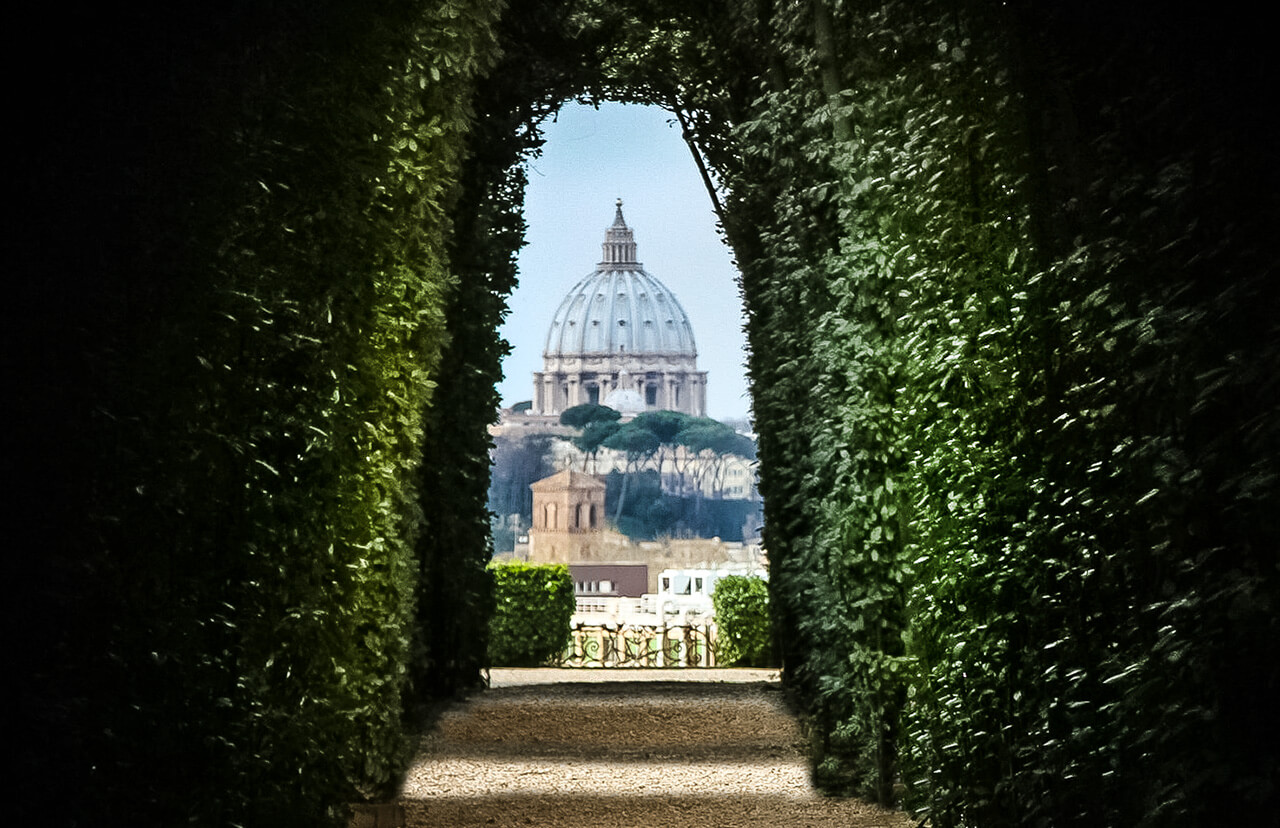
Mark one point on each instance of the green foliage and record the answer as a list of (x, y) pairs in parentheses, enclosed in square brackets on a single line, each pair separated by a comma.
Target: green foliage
[(743, 635), (649, 513), (594, 435), (592, 439), (1001, 337), (642, 493), (533, 606), (454, 548), (284, 298), (634, 441), (580, 416), (662, 424), (715, 437), (518, 462)]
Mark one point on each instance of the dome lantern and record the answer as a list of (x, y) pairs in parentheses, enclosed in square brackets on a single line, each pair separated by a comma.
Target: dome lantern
[(619, 247)]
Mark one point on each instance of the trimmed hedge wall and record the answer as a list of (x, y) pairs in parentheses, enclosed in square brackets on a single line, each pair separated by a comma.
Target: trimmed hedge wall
[(743, 632), (1008, 274), (533, 606), (239, 346)]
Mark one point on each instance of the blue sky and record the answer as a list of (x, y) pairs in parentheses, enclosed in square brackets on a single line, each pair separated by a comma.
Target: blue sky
[(591, 159)]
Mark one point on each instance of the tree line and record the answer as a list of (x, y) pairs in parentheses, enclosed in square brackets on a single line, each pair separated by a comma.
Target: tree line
[(668, 473)]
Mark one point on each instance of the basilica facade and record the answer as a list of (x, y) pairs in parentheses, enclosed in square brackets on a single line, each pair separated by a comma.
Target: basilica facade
[(620, 338)]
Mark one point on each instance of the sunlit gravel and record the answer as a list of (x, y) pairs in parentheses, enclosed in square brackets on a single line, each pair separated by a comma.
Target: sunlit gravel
[(616, 749)]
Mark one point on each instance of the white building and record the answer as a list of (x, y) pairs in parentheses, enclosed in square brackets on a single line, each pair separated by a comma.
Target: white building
[(683, 597)]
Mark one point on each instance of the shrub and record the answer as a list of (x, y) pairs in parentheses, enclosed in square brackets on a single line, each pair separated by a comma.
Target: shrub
[(533, 606), (742, 621)]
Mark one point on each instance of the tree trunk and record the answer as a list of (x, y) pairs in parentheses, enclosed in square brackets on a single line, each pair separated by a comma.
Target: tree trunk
[(622, 497)]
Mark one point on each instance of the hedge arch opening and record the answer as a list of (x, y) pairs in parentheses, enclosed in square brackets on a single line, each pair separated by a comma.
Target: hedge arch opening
[(594, 156), (1013, 349)]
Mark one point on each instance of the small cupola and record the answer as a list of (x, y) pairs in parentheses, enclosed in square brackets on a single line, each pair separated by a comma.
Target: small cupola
[(619, 246)]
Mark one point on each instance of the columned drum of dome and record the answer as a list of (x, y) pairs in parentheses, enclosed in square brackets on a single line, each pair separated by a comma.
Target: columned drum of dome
[(620, 335)]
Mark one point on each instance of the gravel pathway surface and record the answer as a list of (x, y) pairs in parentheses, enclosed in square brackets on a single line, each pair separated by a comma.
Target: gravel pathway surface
[(624, 749)]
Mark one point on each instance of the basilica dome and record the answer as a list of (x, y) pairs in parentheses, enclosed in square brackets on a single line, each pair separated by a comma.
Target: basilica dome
[(619, 329), (620, 308)]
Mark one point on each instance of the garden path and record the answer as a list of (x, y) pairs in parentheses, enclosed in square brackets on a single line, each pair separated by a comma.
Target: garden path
[(624, 749)]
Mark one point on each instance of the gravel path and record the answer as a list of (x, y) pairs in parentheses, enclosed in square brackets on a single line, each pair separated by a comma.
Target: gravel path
[(624, 749)]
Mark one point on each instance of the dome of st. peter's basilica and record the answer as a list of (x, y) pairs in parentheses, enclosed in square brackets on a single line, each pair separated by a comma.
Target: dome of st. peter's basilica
[(620, 337)]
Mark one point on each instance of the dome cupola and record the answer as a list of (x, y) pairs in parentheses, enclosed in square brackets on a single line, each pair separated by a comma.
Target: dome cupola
[(619, 246)]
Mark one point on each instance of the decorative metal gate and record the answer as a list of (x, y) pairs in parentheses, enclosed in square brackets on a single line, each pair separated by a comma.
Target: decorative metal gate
[(640, 645)]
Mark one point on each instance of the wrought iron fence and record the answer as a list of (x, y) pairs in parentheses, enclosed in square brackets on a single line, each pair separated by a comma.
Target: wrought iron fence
[(640, 645)]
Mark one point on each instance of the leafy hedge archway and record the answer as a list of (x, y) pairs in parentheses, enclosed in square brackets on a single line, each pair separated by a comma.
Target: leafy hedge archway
[(1013, 344)]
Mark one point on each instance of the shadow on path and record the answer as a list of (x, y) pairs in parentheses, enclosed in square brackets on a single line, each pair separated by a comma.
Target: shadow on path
[(650, 751)]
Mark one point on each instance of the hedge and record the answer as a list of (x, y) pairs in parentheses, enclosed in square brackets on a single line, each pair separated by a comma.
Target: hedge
[(259, 296), (533, 606), (1007, 276), (743, 631)]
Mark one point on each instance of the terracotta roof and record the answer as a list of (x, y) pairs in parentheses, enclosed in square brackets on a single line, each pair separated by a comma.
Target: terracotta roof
[(567, 479)]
